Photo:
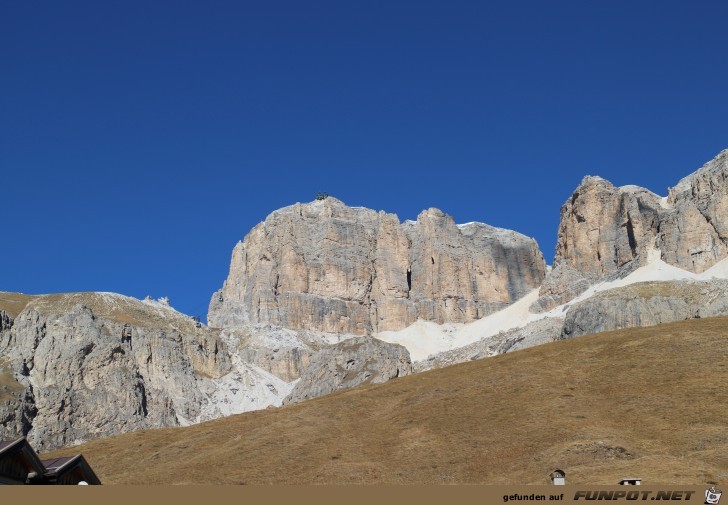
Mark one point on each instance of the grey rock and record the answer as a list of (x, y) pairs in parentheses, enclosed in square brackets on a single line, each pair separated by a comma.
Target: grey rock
[(282, 352), (324, 266), (694, 235), (646, 304), (535, 333), (90, 365), (607, 231), (351, 363), (562, 283)]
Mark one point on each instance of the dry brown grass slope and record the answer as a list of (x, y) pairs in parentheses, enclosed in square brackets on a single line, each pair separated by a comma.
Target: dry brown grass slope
[(115, 307), (13, 303), (648, 402)]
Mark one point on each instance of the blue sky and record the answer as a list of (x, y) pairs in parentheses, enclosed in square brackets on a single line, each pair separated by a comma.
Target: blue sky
[(139, 141)]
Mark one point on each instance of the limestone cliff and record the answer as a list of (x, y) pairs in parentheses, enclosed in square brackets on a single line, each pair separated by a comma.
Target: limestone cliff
[(327, 267), (80, 366), (86, 365), (606, 231)]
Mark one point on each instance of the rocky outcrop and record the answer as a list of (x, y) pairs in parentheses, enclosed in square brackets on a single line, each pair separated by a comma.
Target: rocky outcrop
[(326, 267), (608, 231), (279, 351), (646, 304), (351, 363), (89, 365), (535, 333), (80, 366), (632, 306), (694, 234)]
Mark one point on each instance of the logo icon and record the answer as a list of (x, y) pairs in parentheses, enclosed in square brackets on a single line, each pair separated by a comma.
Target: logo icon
[(712, 495)]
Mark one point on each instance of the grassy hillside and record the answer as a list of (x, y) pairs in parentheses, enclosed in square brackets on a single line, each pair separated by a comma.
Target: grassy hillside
[(13, 303), (115, 307), (648, 402)]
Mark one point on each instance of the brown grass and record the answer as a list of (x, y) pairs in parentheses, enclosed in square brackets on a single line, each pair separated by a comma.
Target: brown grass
[(688, 290), (13, 303), (648, 402), (116, 308)]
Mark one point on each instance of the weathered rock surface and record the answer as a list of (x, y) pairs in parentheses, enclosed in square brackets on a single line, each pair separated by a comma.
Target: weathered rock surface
[(632, 306), (79, 366), (282, 352), (278, 351), (646, 304), (89, 365), (86, 365), (323, 266), (535, 333), (607, 230), (694, 234), (351, 363)]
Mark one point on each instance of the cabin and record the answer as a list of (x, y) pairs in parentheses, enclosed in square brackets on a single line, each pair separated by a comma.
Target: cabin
[(631, 482), (558, 477), (19, 464)]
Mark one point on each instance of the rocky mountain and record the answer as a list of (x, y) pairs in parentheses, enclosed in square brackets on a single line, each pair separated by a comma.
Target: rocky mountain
[(607, 231), (625, 258), (322, 297), (327, 267), (80, 366)]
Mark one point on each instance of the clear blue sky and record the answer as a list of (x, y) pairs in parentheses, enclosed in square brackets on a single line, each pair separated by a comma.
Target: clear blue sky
[(139, 141)]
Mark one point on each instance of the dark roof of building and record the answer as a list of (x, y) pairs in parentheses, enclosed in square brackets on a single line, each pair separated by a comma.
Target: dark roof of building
[(56, 464), (53, 471), (19, 460), (58, 470), (5, 444)]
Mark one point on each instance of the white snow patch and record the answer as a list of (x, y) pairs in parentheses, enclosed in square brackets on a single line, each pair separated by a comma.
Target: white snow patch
[(425, 338), (717, 271), (247, 387), (655, 270), (632, 188)]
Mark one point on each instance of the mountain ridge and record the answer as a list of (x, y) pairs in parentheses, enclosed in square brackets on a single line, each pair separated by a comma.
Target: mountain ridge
[(312, 278), (645, 401)]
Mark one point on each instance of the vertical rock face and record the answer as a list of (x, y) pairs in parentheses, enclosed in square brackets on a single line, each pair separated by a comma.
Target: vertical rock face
[(607, 231), (324, 266), (694, 235), (603, 228), (87, 365)]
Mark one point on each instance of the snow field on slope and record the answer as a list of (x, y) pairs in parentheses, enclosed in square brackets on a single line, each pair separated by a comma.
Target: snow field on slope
[(423, 338), (247, 387)]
